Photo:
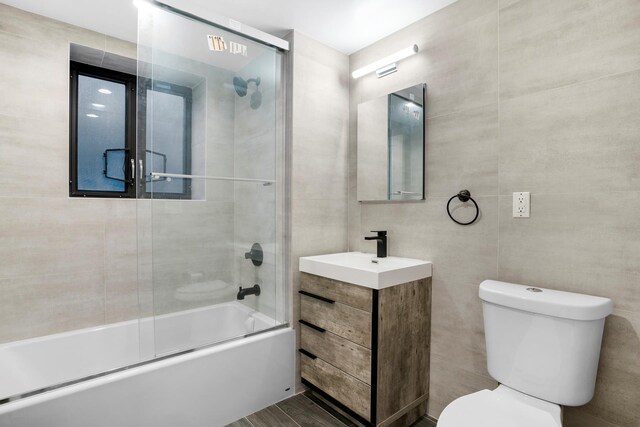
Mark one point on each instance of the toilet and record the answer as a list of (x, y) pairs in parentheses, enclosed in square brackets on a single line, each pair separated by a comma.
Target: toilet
[(543, 347)]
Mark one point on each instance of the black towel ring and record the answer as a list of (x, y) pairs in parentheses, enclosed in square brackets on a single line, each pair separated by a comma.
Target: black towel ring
[(463, 196)]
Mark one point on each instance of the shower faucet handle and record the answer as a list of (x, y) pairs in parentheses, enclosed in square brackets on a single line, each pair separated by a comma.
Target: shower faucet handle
[(255, 254)]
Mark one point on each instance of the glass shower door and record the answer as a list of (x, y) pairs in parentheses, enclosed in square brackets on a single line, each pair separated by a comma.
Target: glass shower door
[(209, 193)]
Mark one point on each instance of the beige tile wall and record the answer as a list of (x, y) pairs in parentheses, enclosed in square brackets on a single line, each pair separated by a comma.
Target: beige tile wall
[(319, 117), (68, 263), (523, 95), (64, 263), (190, 243), (255, 218)]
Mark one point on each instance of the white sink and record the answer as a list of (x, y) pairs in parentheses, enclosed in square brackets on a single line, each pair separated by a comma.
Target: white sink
[(365, 269)]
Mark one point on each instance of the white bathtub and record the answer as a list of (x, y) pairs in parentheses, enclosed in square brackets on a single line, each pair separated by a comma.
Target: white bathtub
[(193, 328), (208, 387)]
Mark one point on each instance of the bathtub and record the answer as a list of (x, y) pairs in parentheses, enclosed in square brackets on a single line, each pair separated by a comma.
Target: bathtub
[(211, 386)]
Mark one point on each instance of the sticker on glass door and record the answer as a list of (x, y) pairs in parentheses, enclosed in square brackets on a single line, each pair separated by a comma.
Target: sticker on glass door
[(216, 43)]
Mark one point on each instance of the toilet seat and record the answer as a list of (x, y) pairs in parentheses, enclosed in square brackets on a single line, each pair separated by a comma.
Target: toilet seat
[(502, 407)]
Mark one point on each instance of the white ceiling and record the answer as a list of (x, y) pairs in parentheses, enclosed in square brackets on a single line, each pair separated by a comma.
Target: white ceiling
[(347, 25)]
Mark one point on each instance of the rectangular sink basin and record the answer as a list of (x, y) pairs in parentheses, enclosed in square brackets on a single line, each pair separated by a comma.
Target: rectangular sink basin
[(366, 269)]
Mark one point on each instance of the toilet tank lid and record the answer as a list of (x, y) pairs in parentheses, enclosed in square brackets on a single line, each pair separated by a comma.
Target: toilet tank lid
[(549, 302)]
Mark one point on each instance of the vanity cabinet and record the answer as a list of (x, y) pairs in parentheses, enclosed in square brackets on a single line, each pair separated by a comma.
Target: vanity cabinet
[(366, 351)]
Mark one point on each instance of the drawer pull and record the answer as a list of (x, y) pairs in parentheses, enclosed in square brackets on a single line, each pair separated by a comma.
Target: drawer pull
[(309, 294), (312, 326), (308, 354)]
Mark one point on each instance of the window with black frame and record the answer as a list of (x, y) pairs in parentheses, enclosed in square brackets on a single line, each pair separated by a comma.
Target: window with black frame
[(167, 144), (103, 157)]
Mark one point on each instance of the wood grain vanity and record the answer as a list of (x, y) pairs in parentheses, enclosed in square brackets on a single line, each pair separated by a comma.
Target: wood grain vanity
[(366, 351)]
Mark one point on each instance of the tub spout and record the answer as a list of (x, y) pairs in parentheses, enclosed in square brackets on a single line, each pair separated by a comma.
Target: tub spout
[(254, 290)]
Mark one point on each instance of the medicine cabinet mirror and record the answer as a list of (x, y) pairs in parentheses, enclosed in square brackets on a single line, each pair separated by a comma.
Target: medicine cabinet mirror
[(391, 143)]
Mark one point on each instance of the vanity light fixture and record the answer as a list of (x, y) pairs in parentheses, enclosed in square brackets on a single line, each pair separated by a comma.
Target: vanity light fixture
[(105, 91), (386, 65)]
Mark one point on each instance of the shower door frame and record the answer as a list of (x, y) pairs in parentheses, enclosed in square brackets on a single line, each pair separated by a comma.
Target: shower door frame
[(283, 227)]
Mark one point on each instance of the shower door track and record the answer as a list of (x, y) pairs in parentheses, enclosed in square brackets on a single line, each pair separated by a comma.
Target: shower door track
[(230, 25), (135, 365)]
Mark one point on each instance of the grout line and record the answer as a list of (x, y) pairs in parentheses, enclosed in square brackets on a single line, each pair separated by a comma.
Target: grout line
[(288, 416), (104, 48), (324, 410), (348, 159), (568, 85), (498, 142), (47, 275), (247, 420), (104, 270), (462, 111), (104, 52), (367, 203)]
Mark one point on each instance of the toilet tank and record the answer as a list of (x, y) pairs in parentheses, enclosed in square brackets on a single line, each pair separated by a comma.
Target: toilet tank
[(542, 342)]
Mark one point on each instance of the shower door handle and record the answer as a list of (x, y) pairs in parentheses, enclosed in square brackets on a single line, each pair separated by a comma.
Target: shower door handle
[(133, 170), (141, 170)]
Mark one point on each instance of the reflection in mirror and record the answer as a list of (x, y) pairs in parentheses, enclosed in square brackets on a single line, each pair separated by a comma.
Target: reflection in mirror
[(391, 146)]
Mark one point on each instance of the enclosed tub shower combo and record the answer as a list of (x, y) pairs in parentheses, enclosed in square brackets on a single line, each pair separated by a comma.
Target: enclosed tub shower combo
[(209, 341)]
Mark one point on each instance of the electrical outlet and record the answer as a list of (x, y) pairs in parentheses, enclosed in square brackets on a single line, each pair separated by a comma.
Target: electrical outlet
[(521, 204)]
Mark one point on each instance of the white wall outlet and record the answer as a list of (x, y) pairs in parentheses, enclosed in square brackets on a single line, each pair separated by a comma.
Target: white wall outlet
[(521, 204)]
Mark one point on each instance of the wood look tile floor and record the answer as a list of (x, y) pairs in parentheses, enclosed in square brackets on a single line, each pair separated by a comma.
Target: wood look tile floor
[(303, 410)]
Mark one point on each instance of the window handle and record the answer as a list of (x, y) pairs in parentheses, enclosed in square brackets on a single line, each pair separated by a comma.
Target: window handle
[(141, 170)]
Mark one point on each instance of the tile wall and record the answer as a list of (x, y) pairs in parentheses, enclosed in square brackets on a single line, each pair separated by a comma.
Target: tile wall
[(319, 118), (523, 95), (65, 263)]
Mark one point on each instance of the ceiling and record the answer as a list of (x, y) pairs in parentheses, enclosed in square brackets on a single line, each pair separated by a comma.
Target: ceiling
[(346, 25)]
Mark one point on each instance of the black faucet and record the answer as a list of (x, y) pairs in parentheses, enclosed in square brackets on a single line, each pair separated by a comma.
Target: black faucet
[(254, 290), (381, 238)]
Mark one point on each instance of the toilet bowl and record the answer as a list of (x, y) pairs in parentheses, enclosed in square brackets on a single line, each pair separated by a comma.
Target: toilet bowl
[(502, 407), (543, 347)]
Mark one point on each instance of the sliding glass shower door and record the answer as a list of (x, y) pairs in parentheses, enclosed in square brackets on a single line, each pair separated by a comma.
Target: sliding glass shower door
[(210, 140)]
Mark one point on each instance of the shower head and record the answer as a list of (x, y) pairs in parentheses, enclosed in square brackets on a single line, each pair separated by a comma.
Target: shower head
[(241, 85), (256, 99)]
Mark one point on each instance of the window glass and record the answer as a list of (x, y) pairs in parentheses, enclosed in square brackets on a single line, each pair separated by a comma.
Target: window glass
[(167, 142), (101, 134)]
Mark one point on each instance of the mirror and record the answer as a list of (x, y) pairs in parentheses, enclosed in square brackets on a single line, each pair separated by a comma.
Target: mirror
[(391, 146)]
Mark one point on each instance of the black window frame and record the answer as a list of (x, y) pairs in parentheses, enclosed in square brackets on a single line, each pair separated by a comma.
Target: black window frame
[(78, 69), (144, 86), (135, 148)]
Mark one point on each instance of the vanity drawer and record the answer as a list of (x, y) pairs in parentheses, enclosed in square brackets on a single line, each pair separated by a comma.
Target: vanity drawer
[(345, 321), (345, 355), (344, 293), (348, 390)]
